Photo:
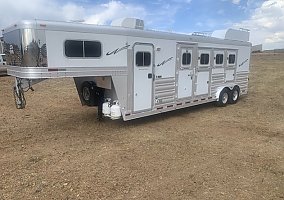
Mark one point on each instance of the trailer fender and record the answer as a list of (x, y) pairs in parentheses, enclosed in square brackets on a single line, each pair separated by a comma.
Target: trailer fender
[(219, 89)]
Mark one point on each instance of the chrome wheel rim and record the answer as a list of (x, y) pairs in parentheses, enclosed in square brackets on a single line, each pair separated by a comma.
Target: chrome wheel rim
[(225, 98), (86, 94), (235, 95)]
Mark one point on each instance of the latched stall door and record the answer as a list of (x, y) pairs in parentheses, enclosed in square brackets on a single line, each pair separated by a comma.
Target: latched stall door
[(202, 72), (231, 65), (185, 67), (143, 77)]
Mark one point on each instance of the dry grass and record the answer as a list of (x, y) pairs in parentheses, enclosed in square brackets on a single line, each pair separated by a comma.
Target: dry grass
[(55, 149)]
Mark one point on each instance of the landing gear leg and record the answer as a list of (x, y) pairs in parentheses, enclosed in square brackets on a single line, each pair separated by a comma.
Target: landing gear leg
[(19, 96)]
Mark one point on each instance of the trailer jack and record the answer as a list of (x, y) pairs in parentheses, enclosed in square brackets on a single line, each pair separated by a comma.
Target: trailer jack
[(21, 86), (19, 96)]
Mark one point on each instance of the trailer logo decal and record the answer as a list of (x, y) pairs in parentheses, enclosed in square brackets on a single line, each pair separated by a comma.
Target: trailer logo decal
[(165, 61), (243, 63), (117, 50)]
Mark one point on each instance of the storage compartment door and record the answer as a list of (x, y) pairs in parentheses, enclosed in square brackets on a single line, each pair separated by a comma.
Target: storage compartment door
[(230, 74)]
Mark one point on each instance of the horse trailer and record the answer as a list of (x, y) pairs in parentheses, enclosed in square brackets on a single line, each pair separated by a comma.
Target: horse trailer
[(127, 71)]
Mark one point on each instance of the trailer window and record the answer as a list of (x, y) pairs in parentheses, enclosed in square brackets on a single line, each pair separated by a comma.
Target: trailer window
[(83, 49), (4, 58), (74, 48), (204, 59), (143, 59), (232, 59), (219, 59), (186, 58), (92, 49)]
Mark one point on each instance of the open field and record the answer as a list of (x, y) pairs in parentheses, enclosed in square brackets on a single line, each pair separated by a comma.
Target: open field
[(56, 149)]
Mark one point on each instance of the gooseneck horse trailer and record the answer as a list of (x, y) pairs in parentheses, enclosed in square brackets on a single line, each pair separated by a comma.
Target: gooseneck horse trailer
[(125, 70)]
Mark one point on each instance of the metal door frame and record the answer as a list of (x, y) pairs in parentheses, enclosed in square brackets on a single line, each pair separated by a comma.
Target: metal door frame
[(153, 75), (207, 68), (193, 67)]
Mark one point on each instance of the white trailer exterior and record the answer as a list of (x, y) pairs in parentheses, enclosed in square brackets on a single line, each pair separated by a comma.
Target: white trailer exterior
[(148, 72)]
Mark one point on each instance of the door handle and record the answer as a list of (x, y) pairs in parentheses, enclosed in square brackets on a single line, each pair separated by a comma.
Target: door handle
[(150, 75)]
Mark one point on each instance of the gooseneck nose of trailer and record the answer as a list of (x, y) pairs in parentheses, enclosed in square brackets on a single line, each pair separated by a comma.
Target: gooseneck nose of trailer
[(25, 47)]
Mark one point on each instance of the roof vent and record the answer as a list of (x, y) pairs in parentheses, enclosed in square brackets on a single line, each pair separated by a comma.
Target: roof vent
[(129, 23), (233, 34), (240, 35)]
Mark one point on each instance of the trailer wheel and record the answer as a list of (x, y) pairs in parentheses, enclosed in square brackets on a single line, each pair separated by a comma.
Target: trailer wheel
[(88, 93), (223, 98), (234, 95)]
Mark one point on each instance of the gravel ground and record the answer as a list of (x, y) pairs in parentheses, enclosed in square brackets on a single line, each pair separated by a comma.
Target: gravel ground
[(56, 149)]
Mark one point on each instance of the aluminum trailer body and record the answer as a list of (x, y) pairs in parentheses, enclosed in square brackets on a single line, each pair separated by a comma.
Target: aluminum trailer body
[(148, 72)]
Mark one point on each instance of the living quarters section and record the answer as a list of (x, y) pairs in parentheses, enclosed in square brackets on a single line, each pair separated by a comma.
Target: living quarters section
[(89, 54)]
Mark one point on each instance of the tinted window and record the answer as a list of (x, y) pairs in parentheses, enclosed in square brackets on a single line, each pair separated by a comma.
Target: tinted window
[(92, 49), (232, 58), (143, 59), (74, 48), (186, 58), (147, 59), (219, 59), (139, 58), (83, 49), (204, 59)]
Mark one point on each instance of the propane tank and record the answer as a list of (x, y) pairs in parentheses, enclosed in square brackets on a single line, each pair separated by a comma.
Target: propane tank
[(106, 107), (115, 110)]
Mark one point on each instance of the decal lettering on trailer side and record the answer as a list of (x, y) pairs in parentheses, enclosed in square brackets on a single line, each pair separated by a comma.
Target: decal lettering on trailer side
[(243, 63), (165, 61), (117, 50)]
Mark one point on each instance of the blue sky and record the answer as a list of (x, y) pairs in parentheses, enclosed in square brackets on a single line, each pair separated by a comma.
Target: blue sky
[(265, 19)]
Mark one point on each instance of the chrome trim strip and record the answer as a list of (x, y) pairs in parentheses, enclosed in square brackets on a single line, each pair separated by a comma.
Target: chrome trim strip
[(166, 108), (58, 72)]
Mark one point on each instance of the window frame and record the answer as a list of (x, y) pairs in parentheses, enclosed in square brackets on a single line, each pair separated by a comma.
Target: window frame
[(186, 51), (215, 58), (143, 58), (101, 48), (83, 41), (199, 58), (228, 55)]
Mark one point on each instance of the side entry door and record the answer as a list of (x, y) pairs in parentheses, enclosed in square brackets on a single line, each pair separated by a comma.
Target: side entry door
[(143, 77)]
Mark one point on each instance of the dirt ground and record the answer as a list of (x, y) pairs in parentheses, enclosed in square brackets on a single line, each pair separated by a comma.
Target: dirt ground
[(56, 149)]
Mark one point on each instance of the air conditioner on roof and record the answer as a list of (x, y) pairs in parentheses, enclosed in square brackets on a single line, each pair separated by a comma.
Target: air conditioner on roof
[(129, 23)]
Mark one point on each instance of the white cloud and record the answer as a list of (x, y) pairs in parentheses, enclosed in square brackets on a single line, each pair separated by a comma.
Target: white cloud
[(26, 9), (72, 11), (114, 10), (182, 1), (266, 24), (54, 10), (237, 2)]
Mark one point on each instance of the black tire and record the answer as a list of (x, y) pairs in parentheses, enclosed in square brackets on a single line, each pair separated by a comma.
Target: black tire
[(234, 95), (223, 98), (88, 93)]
